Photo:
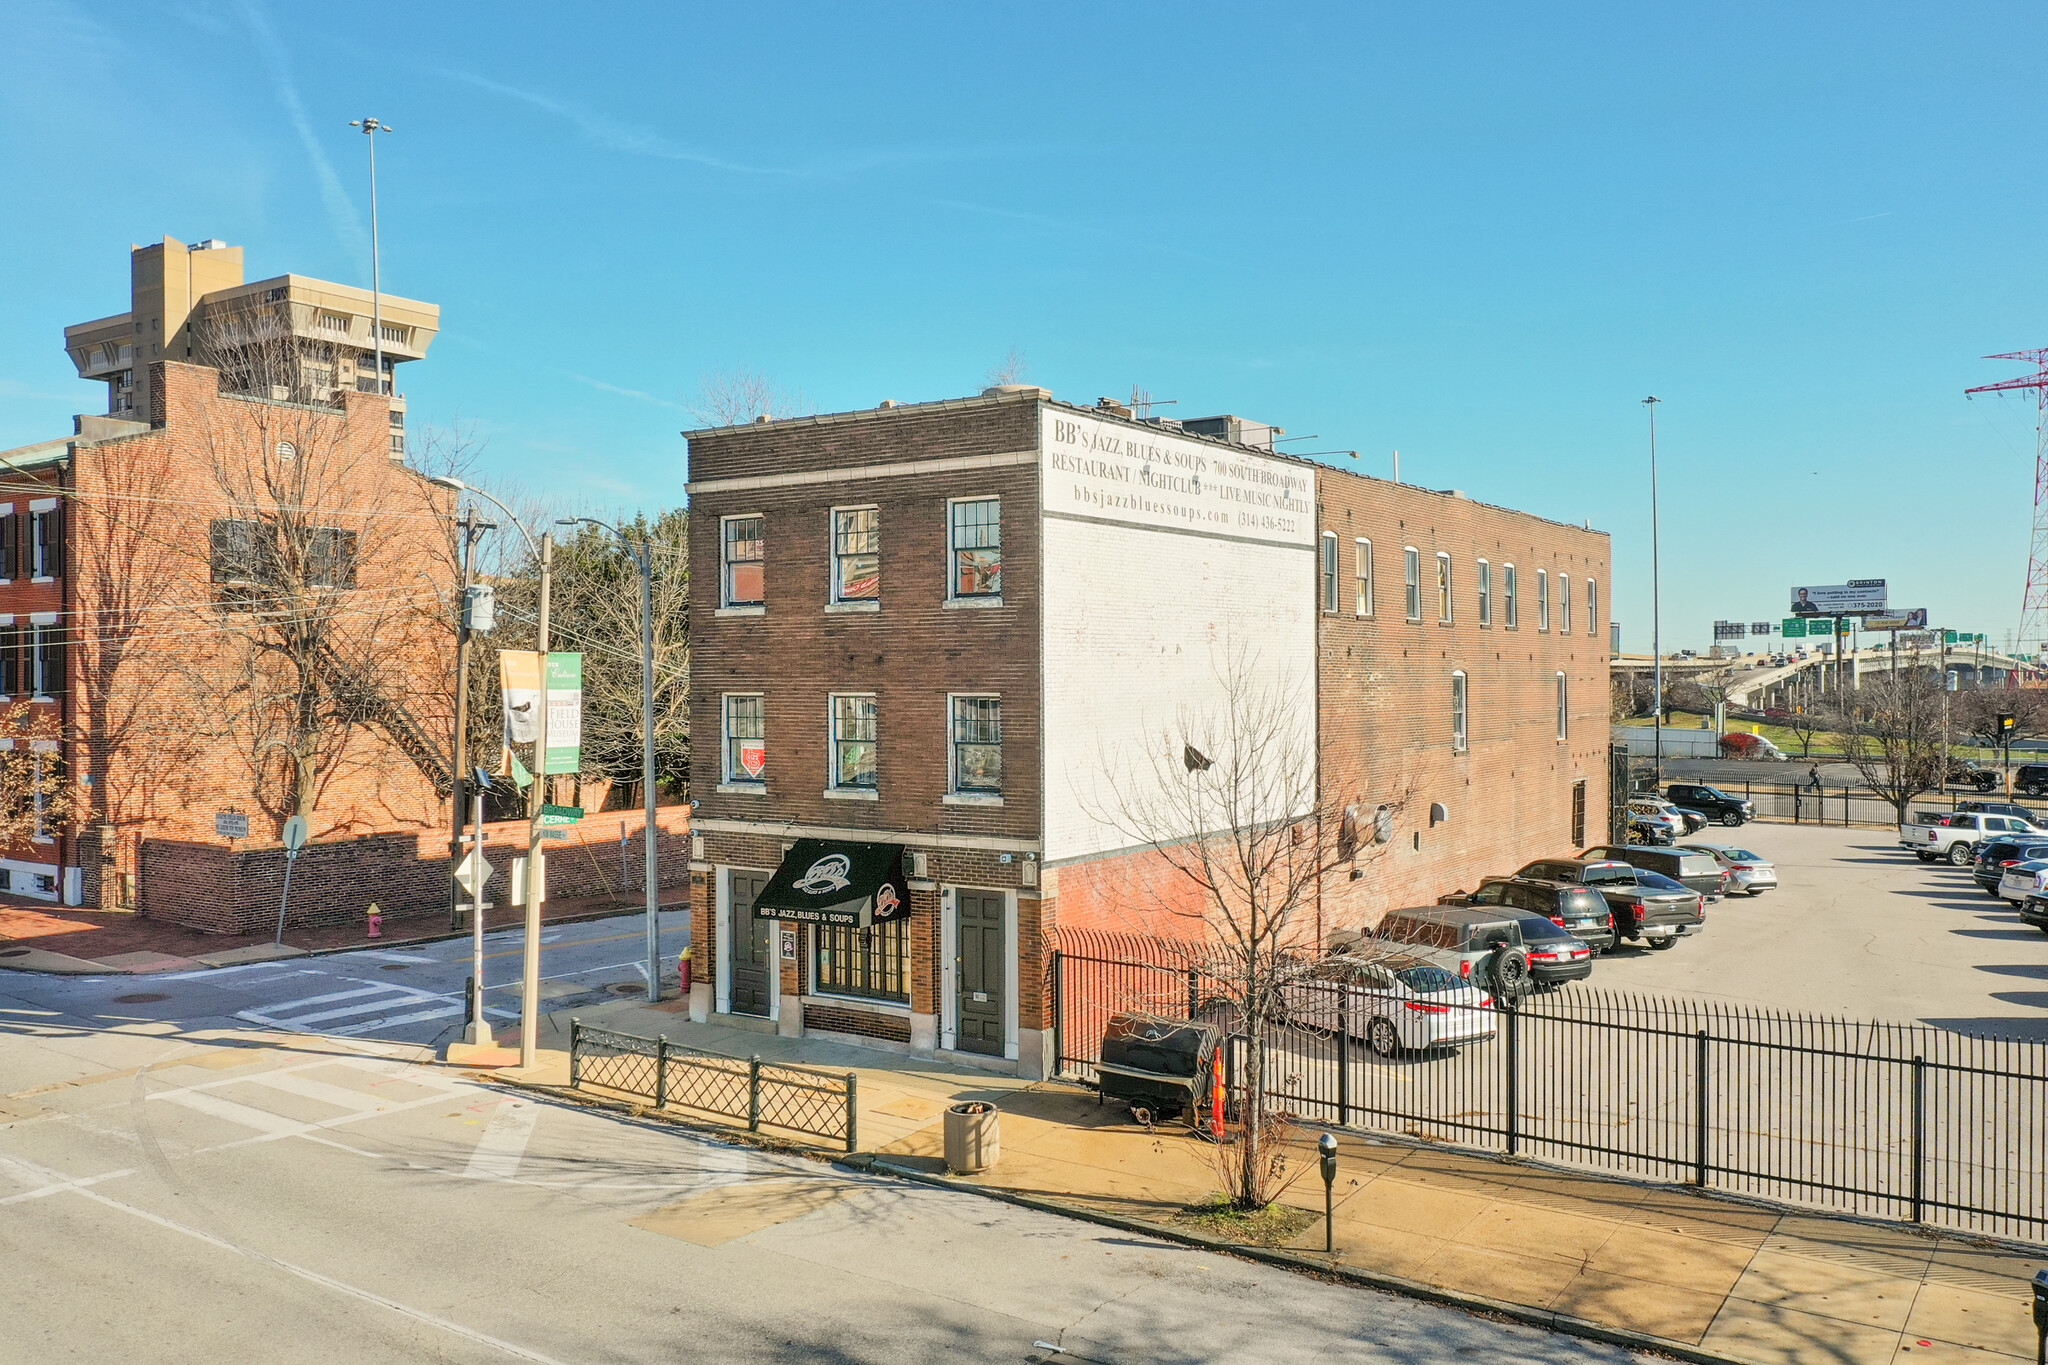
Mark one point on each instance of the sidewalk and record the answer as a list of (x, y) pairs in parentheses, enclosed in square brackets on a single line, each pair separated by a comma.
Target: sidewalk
[(1703, 1277), (55, 938)]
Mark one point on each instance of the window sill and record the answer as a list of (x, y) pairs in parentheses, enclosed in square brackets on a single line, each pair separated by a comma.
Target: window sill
[(842, 608), (43, 578), (741, 611), (972, 603), (47, 701), (970, 799), (741, 789), (860, 1004), (852, 794)]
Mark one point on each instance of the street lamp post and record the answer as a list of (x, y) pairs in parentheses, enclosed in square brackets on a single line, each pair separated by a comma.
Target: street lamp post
[(371, 127), (529, 976), (652, 874), (1656, 603)]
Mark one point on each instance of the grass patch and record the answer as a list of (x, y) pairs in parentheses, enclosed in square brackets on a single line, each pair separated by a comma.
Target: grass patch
[(1276, 1225)]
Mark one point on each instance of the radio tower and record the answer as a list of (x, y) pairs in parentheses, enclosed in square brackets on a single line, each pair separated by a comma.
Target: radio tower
[(2035, 604)]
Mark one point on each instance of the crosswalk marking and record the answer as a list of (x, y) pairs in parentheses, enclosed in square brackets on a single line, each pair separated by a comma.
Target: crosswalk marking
[(503, 1143), (262, 1120), (292, 1083), (392, 1005)]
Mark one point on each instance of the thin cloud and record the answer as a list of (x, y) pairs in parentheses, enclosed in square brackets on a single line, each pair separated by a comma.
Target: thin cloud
[(1869, 217), (341, 210), (603, 387)]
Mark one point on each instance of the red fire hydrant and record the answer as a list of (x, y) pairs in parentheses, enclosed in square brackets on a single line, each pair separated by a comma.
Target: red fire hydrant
[(376, 921), (683, 972)]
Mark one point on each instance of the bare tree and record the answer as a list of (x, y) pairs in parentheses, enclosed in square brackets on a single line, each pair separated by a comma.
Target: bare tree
[(1893, 738), (1009, 370), (728, 398), (36, 794), (1227, 799)]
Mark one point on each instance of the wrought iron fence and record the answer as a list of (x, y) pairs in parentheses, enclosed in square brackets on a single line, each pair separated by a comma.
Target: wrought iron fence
[(798, 1099), (1883, 1120)]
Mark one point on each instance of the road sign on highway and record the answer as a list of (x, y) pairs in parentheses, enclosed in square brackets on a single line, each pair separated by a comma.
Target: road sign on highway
[(1793, 628), (472, 872)]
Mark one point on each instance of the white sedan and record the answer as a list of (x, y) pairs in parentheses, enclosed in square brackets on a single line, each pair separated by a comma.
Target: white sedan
[(1746, 871), (1395, 1004), (2022, 880)]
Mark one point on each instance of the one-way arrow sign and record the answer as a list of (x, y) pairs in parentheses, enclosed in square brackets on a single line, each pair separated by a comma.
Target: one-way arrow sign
[(472, 872)]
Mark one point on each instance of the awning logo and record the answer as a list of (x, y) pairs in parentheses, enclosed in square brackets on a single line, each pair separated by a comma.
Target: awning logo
[(829, 873), (886, 900)]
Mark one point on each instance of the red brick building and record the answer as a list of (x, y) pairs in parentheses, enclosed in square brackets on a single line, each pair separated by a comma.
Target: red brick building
[(919, 630)]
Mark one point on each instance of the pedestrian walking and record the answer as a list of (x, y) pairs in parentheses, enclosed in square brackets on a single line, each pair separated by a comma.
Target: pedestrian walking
[(1813, 775)]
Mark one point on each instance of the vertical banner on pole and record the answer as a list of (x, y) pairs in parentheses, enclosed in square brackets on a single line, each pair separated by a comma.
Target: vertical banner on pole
[(519, 684)]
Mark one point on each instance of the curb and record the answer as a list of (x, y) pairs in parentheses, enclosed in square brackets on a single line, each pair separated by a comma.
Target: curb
[(1562, 1323)]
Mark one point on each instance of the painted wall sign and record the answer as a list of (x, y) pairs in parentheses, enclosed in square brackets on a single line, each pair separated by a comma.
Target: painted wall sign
[(1119, 472)]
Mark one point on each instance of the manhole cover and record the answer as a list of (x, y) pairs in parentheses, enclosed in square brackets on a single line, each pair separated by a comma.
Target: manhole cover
[(14, 952), (626, 988), (396, 967), (141, 998)]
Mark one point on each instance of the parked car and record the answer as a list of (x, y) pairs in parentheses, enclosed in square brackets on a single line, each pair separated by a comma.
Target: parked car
[(1994, 856), (2031, 779), (1578, 910), (2034, 911), (1701, 872), (1955, 836), (1482, 944), (1556, 955), (1732, 811), (1646, 905), (1747, 872), (1968, 772), (1657, 814), (1740, 744), (1395, 1004), (2024, 879), (2018, 812)]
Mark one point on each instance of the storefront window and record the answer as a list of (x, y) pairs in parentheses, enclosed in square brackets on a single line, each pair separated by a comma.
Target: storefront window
[(871, 963)]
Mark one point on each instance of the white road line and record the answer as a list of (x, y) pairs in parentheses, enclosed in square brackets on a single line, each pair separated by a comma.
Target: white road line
[(503, 1143), (37, 1178), (441, 1012), (340, 1096), (311, 1276), (580, 971), (262, 1120), (389, 956)]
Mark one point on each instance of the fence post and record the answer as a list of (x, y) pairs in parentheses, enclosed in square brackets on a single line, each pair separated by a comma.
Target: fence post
[(754, 1095), (1344, 1059), (852, 1112), (1795, 804), (1194, 993), (1514, 1085), (1919, 1134), (1699, 1110), (1059, 1013), (575, 1051), (661, 1072)]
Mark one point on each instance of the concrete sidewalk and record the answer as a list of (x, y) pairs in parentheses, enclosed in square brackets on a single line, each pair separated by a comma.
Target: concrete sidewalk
[(1709, 1277)]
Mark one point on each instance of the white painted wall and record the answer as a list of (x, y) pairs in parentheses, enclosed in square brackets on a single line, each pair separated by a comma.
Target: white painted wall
[(1160, 553)]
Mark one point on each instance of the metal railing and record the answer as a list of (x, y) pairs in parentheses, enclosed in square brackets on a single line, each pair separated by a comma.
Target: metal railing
[(798, 1099), (1881, 1120)]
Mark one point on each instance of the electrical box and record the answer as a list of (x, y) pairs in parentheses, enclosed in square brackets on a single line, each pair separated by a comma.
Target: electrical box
[(479, 608)]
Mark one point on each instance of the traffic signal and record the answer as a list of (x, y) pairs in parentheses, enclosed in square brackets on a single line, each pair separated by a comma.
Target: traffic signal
[(2007, 723)]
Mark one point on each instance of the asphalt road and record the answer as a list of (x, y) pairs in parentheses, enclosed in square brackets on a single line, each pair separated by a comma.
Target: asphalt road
[(182, 1192)]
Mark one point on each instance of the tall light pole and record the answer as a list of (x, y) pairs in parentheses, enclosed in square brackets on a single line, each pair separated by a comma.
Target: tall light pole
[(529, 975), (644, 553), (371, 128), (1656, 602)]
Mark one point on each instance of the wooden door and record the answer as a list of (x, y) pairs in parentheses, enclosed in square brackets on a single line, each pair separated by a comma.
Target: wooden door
[(982, 968), (753, 956)]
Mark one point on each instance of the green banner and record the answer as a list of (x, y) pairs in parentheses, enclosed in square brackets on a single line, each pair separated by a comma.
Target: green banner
[(560, 815), (565, 713), (1794, 628)]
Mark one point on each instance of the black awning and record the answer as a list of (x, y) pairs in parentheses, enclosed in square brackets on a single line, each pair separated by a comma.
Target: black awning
[(827, 881)]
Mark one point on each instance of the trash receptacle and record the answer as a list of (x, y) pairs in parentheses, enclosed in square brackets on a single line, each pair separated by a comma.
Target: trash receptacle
[(973, 1137)]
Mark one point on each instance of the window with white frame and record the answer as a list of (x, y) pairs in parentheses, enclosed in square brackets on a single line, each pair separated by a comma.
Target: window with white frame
[(46, 660), (746, 744), (1361, 551), (853, 742), (869, 964), (46, 554), (1563, 710), (1564, 604), (741, 571), (1411, 564), (1592, 605), (977, 541), (1543, 599), (857, 554), (1443, 586), (1511, 606), (978, 746), (1329, 571), (1485, 593), (1460, 715)]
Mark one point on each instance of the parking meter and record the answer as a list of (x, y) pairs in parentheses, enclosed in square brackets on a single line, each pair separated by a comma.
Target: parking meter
[(2041, 1316), (1327, 1145)]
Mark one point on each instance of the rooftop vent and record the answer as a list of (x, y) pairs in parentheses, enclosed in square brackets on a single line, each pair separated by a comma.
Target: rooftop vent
[(886, 403), (1015, 391), (1112, 407), (1239, 431), (763, 420), (210, 244)]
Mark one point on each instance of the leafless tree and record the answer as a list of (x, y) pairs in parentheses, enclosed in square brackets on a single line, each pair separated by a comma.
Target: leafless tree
[(1806, 722), (1009, 370), (1227, 798), (728, 398), (1893, 738), (37, 797)]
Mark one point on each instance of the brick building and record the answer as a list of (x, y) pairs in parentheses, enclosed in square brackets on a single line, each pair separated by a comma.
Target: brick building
[(923, 628)]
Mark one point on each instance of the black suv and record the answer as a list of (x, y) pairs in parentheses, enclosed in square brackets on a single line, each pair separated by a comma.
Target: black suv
[(1646, 905), (1711, 802), (1690, 867), (1999, 808), (1994, 856), (1578, 910), (1967, 772), (2031, 779)]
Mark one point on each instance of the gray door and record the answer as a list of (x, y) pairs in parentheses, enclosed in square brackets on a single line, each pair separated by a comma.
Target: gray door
[(983, 959), (752, 959)]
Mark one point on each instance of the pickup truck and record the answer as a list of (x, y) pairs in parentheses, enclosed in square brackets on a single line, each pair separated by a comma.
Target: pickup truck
[(1955, 836), (1646, 905)]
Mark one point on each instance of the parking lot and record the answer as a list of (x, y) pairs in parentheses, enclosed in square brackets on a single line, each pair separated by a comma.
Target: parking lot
[(1858, 928)]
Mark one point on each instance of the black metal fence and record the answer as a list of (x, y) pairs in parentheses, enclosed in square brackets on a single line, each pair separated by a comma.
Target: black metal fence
[(798, 1099), (1884, 1120)]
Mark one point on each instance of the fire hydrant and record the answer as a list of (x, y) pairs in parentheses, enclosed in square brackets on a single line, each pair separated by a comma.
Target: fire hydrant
[(683, 971), (376, 921)]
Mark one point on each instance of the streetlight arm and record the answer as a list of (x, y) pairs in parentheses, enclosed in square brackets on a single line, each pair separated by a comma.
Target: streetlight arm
[(449, 481)]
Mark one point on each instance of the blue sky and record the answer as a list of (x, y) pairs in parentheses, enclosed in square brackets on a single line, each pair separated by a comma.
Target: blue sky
[(1475, 234)]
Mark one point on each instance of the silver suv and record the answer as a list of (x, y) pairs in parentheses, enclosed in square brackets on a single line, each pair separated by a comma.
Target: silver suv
[(1481, 943)]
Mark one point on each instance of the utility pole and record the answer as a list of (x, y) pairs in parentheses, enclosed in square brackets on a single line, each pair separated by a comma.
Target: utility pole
[(1656, 602), (370, 129), (2034, 602), (536, 878), (471, 529)]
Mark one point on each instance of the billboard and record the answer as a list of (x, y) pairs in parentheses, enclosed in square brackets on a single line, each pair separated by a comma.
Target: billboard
[(1857, 597), (1907, 618)]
